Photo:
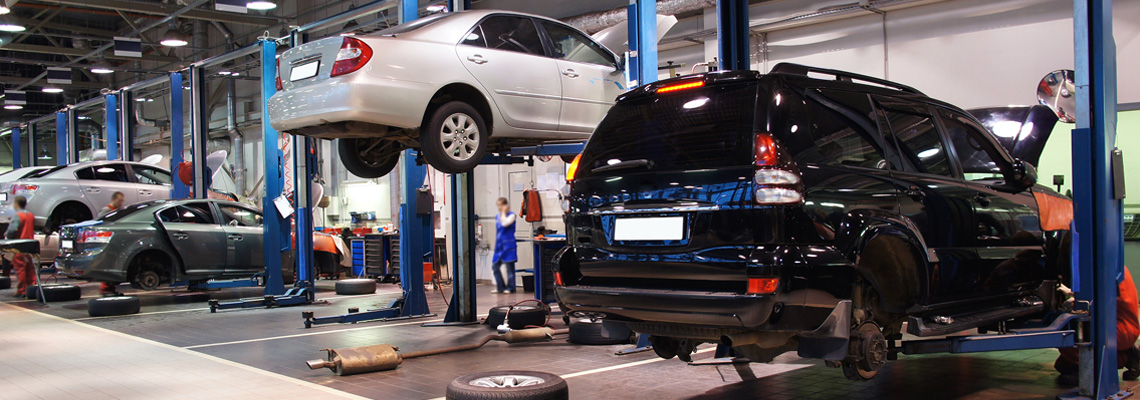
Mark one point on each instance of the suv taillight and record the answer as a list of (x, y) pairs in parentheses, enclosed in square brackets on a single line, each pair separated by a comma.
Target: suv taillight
[(94, 236), (280, 87), (775, 183), (353, 54), (573, 168)]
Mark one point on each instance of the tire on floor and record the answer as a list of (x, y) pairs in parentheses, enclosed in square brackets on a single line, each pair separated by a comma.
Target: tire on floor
[(356, 286), (112, 306), (521, 316), (508, 385), (599, 332), (54, 293)]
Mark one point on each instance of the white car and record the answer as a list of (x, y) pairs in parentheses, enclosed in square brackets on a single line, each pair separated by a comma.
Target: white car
[(72, 193), (453, 85)]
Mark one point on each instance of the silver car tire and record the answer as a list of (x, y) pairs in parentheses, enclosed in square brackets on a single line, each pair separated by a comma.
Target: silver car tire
[(369, 157), (455, 138)]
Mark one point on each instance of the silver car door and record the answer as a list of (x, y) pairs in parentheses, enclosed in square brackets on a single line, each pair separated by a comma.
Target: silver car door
[(151, 183), (244, 237), (100, 182), (196, 237), (505, 54), (591, 78)]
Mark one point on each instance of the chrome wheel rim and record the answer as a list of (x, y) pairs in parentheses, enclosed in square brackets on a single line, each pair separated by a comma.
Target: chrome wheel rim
[(507, 381), (459, 136)]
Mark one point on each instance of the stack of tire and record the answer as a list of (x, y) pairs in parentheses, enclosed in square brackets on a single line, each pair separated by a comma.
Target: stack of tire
[(355, 286), (521, 316), (54, 292), (113, 306)]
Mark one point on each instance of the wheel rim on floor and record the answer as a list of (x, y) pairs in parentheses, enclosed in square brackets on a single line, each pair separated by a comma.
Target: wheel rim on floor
[(459, 136), (507, 381)]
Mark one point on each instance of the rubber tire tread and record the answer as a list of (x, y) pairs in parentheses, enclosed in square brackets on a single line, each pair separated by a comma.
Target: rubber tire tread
[(554, 388)]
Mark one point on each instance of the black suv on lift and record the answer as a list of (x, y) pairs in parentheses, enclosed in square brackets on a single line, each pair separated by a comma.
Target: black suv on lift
[(785, 212)]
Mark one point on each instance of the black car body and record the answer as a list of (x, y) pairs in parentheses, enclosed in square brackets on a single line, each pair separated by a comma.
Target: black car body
[(783, 212)]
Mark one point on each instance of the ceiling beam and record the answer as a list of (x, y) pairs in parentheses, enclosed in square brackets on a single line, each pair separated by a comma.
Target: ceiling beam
[(73, 52), (73, 28), (165, 9), (16, 80)]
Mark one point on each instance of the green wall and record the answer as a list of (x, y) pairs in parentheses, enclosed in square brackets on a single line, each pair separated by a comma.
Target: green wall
[(1057, 158)]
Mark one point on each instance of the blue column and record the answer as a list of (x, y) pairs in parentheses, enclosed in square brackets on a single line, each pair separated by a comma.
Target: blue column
[(413, 228), (642, 42), (61, 151), (276, 227), (732, 34), (177, 135), (409, 10), (111, 133), (16, 150), (1097, 206), (33, 156), (304, 162)]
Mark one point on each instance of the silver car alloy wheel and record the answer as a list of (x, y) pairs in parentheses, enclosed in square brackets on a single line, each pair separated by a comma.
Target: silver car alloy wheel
[(459, 136), (507, 381)]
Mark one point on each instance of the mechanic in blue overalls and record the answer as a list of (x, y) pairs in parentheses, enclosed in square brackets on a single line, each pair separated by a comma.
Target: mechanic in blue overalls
[(505, 248)]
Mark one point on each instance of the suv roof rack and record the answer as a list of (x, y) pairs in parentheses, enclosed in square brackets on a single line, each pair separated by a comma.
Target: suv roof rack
[(798, 69)]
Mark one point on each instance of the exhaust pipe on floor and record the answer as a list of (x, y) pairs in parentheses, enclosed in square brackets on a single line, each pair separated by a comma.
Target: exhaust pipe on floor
[(383, 357)]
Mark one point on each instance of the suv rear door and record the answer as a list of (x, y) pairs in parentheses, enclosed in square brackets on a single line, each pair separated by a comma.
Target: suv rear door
[(196, 236)]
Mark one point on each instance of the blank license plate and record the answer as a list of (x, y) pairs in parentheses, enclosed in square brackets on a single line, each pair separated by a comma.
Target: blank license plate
[(649, 229), (304, 71), (3, 196), (66, 244)]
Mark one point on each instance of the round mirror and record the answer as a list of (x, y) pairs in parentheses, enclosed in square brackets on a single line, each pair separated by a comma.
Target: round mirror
[(1058, 91)]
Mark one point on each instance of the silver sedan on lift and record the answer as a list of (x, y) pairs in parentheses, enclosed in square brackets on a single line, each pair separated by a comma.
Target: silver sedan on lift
[(454, 85)]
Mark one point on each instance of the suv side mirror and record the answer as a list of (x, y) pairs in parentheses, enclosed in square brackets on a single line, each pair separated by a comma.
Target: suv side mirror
[(1024, 174)]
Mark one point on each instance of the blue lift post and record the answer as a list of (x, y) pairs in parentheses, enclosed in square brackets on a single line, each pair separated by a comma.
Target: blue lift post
[(177, 134), (1098, 240), (33, 157), (732, 34), (127, 126), (642, 21), (16, 150), (61, 151), (276, 227), (111, 133), (199, 130)]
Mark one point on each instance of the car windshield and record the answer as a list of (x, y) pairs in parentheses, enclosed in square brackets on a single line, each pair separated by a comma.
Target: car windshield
[(704, 128), (414, 25), (46, 172), (129, 210)]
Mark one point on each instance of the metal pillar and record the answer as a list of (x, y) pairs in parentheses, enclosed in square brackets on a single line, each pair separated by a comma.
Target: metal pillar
[(199, 131), (61, 138), (409, 10), (276, 227), (303, 157), (33, 157), (127, 124), (413, 228), (1098, 212), (462, 307), (642, 42), (16, 147), (111, 133), (72, 136), (177, 134), (458, 5), (732, 34)]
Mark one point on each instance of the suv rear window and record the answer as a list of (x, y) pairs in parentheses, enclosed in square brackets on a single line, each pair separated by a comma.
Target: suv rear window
[(711, 127)]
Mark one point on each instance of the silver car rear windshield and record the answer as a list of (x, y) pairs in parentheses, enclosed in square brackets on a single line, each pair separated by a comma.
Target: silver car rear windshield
[(411, 26)]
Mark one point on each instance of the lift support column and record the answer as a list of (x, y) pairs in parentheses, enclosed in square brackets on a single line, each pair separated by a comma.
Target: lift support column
[(61, 151), (642, 42), (177, 135), (16, 151), (732, 34), (111, 132), (1098, 189)]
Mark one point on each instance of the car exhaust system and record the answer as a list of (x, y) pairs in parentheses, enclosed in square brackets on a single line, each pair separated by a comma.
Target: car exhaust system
[(384, 357)]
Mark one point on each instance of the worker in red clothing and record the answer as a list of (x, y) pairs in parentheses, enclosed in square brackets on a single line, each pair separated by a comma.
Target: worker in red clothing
[(22, 227), (1127, 331), (107, 289)]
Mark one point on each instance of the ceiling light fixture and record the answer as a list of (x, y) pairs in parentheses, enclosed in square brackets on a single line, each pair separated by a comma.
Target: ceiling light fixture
[(44, 155), (52, 90), (435, 8), (174, 36), (260, 5), (101, 70), (10, 25), (4, 9)]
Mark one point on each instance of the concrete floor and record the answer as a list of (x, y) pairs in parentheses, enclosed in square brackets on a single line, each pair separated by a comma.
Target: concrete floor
[(176, 348)]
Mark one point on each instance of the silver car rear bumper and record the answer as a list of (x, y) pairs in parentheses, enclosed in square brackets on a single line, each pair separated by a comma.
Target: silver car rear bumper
[(357, 97)]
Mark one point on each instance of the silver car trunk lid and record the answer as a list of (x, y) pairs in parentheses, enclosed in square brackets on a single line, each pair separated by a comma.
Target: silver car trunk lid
[(308, 63)]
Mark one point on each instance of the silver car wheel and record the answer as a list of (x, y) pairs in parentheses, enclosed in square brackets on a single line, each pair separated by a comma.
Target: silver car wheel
[(507, 381), (459, 136)]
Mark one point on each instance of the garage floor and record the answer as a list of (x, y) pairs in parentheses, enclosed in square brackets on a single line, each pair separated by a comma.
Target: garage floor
[(178, 349)]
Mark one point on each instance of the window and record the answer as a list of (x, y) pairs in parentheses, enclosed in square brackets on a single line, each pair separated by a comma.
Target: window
[(475, 38), (912, 128), (240, 216), (842, 131), (570, 45), (191, 213), (975, 150), (507, 33), (151, 176), (106, 172), (129, 210)]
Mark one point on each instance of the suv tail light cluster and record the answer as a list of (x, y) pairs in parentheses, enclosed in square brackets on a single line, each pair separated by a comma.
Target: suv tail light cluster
[(775, 182), (353, 54), (572, 170), (23, 188), (94, 236)]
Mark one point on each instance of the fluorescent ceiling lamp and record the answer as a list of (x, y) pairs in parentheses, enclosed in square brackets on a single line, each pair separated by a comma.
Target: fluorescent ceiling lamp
[(10, 26), (44, 155), (4, 9), (140, 99), (174, 38), (434, 8), (52, 90), (260, 5), (13, 107), (101, 70)]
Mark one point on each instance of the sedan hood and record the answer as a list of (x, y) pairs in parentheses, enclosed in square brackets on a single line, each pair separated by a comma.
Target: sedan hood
[(616, 38), (1022, 130)]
